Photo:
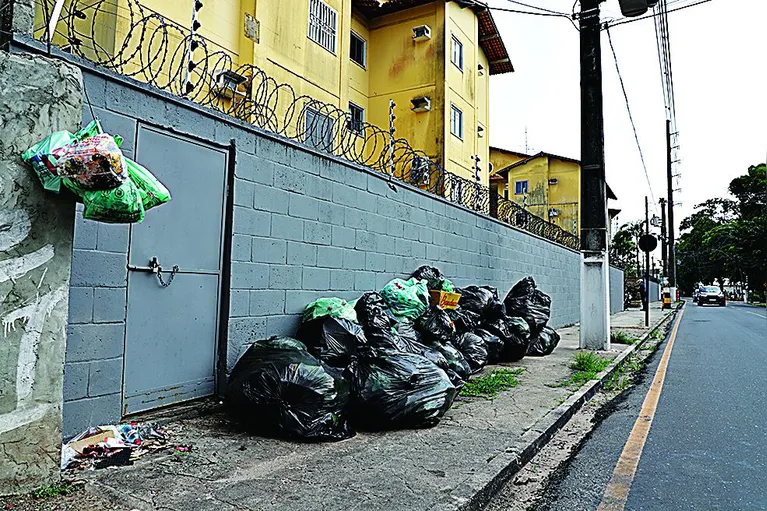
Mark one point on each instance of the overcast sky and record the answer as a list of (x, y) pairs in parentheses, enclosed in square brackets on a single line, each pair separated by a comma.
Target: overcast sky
[(719, 61)]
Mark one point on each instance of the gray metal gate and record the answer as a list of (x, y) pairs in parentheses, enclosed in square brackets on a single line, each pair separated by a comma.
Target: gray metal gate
[(171, 332)]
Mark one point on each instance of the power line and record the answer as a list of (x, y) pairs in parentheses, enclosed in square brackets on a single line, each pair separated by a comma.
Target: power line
[(655, 15), (553, 14), (536, 7), (631, 117)]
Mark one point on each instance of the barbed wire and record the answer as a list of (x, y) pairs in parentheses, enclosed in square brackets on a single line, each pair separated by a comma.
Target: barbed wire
[(147, 46)]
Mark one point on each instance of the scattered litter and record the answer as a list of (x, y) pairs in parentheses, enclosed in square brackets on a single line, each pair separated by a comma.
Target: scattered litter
[(112, 445)]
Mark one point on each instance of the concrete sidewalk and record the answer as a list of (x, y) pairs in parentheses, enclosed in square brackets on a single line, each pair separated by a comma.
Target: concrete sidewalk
[(451, 466)]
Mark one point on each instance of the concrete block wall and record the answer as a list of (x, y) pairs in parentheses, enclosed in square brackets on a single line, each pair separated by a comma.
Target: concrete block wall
[(308, 225)]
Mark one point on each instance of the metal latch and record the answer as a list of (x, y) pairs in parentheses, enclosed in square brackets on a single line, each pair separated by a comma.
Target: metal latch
[(154, 267)]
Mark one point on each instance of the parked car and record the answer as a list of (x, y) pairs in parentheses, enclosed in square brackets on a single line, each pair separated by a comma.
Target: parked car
[(711, 294)]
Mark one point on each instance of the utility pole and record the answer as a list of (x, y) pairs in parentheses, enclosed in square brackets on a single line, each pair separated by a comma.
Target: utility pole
[(646, 305), (671, 247), (594, 313), (663, 239)]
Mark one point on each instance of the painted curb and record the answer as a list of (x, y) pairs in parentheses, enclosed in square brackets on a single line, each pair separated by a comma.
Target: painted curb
[(474, 493)]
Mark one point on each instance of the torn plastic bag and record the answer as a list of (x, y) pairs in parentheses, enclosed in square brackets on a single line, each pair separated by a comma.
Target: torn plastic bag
[(279, 388), (393, 390), (464, 319), (544, 343), (525, 300), (515, 334), (483, 300), (408, 298), (473, 349), (434, 278), (153, 193), (333, 340), (435, 326), (95, 163), (493, 343), (333, 307)]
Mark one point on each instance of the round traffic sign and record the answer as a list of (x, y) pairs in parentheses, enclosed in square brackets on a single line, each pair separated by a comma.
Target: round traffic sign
[(648, 243)]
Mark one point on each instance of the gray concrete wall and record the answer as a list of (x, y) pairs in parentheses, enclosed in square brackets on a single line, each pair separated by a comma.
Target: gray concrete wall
[(37, 97), (306, 225), (616, 290), (654, 291)]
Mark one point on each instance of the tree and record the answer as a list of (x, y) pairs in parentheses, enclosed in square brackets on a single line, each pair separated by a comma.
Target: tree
[(623, 248)]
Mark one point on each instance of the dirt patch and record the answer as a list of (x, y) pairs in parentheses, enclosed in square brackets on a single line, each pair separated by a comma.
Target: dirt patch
[(76, 500)]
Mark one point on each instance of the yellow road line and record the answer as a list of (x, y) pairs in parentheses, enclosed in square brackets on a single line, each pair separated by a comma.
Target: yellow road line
[(617, 490)]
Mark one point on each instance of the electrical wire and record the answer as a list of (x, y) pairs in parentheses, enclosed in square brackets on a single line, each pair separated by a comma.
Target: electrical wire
[(536, 7), (553, 14), (631, 118), (654, 15)]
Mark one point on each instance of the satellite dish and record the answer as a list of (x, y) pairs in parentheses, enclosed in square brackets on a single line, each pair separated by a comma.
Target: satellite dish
[(648, 243)]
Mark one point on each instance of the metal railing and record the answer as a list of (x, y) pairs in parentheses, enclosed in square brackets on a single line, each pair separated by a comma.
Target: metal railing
[(133, 40)]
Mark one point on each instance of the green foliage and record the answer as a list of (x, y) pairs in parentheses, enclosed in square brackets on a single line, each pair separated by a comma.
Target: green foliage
[(54, 490), (624, 252), (586, 366), (622, 337), (727, 239), (489, 385)]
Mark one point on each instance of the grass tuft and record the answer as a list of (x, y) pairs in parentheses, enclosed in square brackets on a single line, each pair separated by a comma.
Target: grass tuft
[(586, 366), (489, 385), (621, 337), (54, 490)]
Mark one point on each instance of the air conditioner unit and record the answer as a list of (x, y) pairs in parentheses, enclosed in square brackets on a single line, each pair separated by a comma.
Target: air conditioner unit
[(225, 84), (553, 212), (421, 104), (421, 33), (553, 181)]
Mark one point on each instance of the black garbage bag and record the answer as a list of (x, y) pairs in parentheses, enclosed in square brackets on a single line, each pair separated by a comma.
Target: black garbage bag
[(493, 343), (378, 325), (525, 300), (464, 319), (544, 343), (455, 360), (332, 340), (435, 326), (405, 328), (483, 300), (515, 334), (473, 349), (279, 388), (432, 275), (392, 390)]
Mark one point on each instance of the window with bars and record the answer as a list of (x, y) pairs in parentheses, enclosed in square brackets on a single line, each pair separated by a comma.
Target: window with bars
[(323, 21), (456, 121), (356, 121)]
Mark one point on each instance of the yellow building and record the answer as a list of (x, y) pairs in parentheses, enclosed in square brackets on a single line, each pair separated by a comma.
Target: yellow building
[(433, 59), (547, 185)]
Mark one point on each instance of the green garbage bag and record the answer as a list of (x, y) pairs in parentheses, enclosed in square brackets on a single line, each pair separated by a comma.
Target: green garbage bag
[(408, 298), (333, 307), (121, 205), (38, 157), (447, 286), (152, 191)]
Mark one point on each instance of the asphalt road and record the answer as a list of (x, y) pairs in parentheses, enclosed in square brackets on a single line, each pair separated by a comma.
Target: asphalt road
[(707, 446)]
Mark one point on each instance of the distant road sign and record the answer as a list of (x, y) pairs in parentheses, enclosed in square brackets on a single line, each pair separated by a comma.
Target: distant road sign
[(648, 243)]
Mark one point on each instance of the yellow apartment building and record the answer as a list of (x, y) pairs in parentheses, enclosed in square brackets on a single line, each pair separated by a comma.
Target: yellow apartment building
[(433, 59), (546, 184)]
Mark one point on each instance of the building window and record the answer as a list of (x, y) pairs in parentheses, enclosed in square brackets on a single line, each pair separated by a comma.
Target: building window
[(456, 53), (357, 49), (456, 121), (318, 130), (520, 187), (356, 119), (323, 20)]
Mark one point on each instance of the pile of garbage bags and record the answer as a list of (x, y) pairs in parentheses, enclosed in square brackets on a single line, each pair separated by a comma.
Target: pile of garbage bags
[(90, 164), (387, 360)]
